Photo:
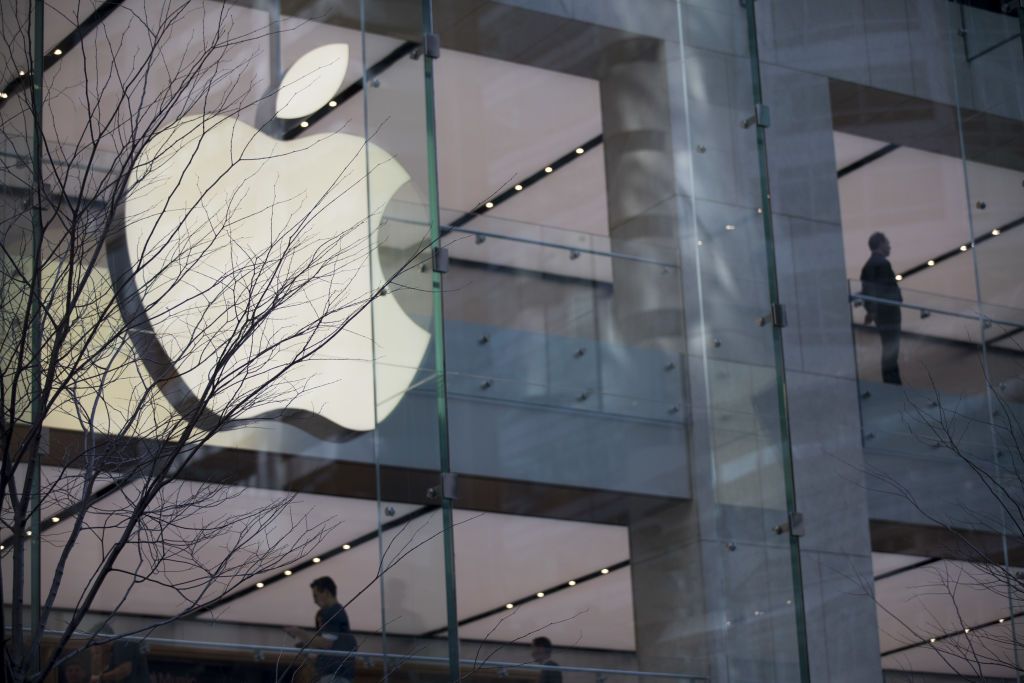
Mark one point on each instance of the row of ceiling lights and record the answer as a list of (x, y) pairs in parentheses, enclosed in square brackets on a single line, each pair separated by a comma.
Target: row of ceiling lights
[(526, 182), (84, 27), (995, 232), (289, 572), (966, 630), (604, 571), (405, 49), (573, 582), (568, 584), (22, 73), (28, 532), (534, 596)]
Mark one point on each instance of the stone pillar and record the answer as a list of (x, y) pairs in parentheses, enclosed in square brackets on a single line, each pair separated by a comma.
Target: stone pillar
[(668, 590), (640, 177)]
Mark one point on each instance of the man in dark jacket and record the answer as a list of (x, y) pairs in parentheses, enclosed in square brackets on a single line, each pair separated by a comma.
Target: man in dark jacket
[(332, 633), (879, 282), (542, 655)]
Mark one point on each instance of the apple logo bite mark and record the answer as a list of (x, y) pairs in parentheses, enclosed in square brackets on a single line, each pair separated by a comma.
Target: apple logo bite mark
[(245, 267)]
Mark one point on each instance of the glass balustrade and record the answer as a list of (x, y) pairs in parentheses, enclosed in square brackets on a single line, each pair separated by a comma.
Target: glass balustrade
[(942, 364)]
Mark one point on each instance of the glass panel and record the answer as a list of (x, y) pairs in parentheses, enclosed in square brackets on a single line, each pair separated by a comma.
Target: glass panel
[(226, 217), (940, 361), (532, 338), (989, 53), (410, 436), (614, 410), (991, 107)]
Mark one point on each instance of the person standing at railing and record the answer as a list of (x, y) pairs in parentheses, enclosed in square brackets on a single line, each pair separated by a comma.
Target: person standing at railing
[(542, 655), (879, 282), (332, 633)]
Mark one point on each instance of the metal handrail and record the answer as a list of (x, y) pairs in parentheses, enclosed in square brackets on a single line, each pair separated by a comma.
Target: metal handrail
[(979, 316), (553, 245), (447, 229), (260, 650)]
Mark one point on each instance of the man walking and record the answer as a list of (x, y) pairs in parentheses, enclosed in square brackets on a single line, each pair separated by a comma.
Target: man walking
[(332, 633), (542, 655)]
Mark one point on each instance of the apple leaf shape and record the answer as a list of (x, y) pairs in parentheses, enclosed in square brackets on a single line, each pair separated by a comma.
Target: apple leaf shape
[(247, 254), (312, 81)]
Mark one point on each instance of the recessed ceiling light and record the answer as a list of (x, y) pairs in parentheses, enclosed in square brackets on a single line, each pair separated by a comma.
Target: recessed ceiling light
[(28, 533), (572, 583), (931, 640), (346, 547), (931, 262), (963, 247), (540, 594), (579, 150), (1, 547), (548, 169), (518, 188), (1001, 620), (967, 630), (316, 560), (304, 124), (996, 231), (21, 72), (54, 519), (259, 584), (898, 278), (332, 103), (509, 605), (604, 571), (489, 205), (58, 52), (287, 572), (3, 96)]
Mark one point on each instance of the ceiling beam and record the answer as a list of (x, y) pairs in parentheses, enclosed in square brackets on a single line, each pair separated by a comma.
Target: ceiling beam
[(539, 595), (314, 561), (24, 80), (864, 161)]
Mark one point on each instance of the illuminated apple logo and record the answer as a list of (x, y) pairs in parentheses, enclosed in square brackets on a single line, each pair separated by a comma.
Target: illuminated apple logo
[(225, 225)]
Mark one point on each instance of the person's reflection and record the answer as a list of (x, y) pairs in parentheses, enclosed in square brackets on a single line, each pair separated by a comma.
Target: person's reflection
[(879, 281)]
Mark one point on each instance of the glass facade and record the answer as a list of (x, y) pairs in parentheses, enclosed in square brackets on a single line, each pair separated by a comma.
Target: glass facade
[(538, 326)]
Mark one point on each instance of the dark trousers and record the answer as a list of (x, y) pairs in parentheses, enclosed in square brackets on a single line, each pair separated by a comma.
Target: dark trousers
[(889, 330)]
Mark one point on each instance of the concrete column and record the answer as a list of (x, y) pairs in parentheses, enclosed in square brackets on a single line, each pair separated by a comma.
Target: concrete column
[(669, 590), (640, 176)]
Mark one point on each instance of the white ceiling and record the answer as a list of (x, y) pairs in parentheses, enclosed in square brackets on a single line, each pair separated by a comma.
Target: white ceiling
[(597, 614), (504, 558), (919, 200), (938, 599), (499, 558), (59, 492)]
